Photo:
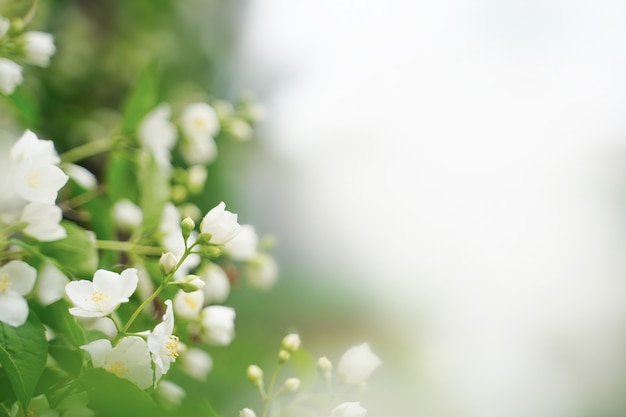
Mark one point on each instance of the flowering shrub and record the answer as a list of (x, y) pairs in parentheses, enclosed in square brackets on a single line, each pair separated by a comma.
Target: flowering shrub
[(110, 277)]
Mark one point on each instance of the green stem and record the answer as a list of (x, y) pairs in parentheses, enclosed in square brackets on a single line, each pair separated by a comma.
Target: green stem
[(128, 247), (268, 397), (88, 149), (141, 307)]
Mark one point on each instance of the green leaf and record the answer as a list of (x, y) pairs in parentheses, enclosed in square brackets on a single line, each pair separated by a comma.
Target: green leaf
[(77, 253), (142, 99), (155, 192), (121, 174), (26, 107), (23, 354), (113, 396), (58, 317)]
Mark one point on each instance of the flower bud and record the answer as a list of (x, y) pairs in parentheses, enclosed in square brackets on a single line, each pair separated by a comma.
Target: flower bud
[(357, 364), (291, 342), (255, 375), (283, 356), (197, 175), (187, 226), (352, 409), (292, 384), (38, 48), (178, 193), (220, 224), (190, 283), (209, 252), (246, 412), (168, 262), (325, 366)]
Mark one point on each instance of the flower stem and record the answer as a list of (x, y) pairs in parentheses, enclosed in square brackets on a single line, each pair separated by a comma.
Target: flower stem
[(268, 397), (89, 149), (141, 307), (128, 247)]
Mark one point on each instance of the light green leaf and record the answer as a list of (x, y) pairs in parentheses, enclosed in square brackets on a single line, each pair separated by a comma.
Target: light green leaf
[(155, 192), (121, 176), (23, 353), (58, 317), (77, 253), (142, 99)]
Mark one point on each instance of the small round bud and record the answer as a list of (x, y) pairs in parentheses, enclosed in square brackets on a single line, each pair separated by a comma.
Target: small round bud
[(246, 412), (210, 252), (187, 225), (178, 193), (190, 283), (197, 175), (168, 262), (291, 342), (190, 210), (283, 356), (255, 374), (292, 384), (325, 366)]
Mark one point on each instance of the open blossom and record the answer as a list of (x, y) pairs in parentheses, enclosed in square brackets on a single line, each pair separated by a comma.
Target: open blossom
[(43, 221), (51, 284), (10, 76), (37, 181), (262, 271), (38, 48), (199, 119), (221, 224), (29, 146), (218, 325), (188, 304), (130, 359), (357, 363), (104, 294), (244, 245), (196, 363), (17, 279), (217, 285), (162, 343), (349, 409), (158, 135)]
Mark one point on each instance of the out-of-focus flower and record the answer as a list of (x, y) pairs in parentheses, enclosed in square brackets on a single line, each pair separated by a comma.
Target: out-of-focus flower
[(129, 359), (17, 279), (255, 374), (221, 224), (246, 412), (350, 409), (217, 285), (10, 76), (218, 325), (173, 241), (357, 364), (127, 215), (37, 181), (325, 367), (99, 324), (240, 130), (170, 394), (104, 294), (158, 135), (261, 271), (38, 48), (81, 175), (199, 119), (5, 25), (196, 363), (292, 384), (162, 343), (197, 175), (43, 221), (188, 304), (291, 342), (199, 149), (29, 146), (244, 245), (51, 284), (38, 406)]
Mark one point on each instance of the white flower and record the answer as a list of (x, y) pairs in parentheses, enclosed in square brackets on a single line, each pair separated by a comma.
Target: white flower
[(325, 366), (29, 146), (81, 176), (357, 364), (188, 304), (99, 324), (130, 359), (127, 215), (38, 48), (158, 135), (217, 285), (199, 149), (348, 410), (173, 240), (51, 284), (10, 76), (17, 279), (218, 323), (36, 180), (167, 262), (199, 119), (262, 271), (246, 412), (244, 245), (292, 384), (221, 224), (171, 394), (43, 222), (104, 294), (291, 342), (162, 343), (5, 25), (197, 175), (196, 363), (240, 130)]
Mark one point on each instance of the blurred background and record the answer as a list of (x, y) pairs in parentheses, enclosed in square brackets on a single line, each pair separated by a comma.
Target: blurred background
[(445, 180)]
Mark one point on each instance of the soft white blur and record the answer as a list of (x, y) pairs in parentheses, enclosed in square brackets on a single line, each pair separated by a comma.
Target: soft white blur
[(469, 156)]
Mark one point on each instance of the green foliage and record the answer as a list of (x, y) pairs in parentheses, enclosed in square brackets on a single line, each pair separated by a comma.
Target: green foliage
[(143, 98), (155, 192), (23, 352)]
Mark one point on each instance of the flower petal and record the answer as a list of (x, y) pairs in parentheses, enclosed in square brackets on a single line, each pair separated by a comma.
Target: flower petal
[(19, 275), (13, 308)]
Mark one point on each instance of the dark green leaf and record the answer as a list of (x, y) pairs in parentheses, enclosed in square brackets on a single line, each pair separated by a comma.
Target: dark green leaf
[(58, 317), (113, 396), (77, 253), (26, 107), (23, 353), (142, 99)]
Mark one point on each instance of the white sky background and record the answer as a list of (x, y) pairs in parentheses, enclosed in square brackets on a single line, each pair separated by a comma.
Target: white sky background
[(468, 155)]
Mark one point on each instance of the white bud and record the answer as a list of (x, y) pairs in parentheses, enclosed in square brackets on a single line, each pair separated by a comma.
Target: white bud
[(292, 384), (357, 364), (10, 76), (38, 48), (291, 342), (127, 215), (283, 356), (246, 412), (255, 374), (168, 262), (197, 178), (353, 409), (325, 366)]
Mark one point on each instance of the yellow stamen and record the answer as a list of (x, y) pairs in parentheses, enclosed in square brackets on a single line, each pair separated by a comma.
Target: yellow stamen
[(117, 368), (33, 180), (172, 347), (98, 296), (4, 282), (191, 302)]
